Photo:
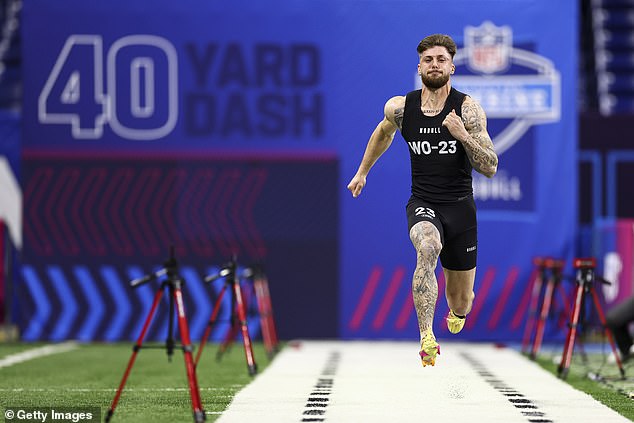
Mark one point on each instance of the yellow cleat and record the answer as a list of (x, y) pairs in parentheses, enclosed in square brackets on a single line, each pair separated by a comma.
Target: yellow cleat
[(455, 323), (429, 349)]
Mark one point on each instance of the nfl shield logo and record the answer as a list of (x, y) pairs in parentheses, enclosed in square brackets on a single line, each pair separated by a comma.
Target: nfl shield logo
[(488, 47)]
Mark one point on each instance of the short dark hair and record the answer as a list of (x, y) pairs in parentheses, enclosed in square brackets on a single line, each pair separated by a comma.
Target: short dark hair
[(440, 40)]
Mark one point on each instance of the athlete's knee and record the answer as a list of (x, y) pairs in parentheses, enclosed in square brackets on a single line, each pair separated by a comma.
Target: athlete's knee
[(426, 239), (460, 302), (429, 250)]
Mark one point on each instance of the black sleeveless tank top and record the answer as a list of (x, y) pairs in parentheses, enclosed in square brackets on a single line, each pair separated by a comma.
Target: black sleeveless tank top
[(441, 171)]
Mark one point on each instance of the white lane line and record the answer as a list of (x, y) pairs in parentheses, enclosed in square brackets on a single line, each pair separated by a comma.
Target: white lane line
[(378, 382), (279, 394), (33, 353), (317, 402)]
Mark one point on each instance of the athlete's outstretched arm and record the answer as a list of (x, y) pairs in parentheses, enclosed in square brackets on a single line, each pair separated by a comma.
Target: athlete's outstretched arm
[(471, 131), (379, 142)]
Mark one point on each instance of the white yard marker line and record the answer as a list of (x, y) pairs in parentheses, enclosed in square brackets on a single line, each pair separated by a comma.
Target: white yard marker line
[(33, 353), (378, 382)]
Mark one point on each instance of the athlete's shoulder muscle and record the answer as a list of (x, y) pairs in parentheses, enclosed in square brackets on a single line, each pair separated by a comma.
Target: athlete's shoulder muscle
[(394, 109)]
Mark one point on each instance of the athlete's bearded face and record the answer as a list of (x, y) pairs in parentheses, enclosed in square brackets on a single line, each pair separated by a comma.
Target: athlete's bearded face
[(435, 67)]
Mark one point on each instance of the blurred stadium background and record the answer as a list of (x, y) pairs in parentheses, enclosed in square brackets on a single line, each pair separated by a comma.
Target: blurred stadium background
[(233, 128)]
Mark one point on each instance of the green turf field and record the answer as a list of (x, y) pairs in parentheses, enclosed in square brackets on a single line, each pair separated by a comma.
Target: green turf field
[(599, 377), (156, 391)]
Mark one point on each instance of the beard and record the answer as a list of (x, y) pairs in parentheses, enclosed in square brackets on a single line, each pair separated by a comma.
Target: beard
[(434, 82)]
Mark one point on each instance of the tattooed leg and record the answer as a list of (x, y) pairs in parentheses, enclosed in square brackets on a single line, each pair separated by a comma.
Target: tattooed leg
[(426, 240)]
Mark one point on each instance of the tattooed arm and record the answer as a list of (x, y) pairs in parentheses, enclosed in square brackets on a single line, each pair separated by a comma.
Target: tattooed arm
[(471, 131), (379, 141)]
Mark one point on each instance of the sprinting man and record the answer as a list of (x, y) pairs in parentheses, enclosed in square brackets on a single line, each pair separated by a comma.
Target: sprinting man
[(446, 132)]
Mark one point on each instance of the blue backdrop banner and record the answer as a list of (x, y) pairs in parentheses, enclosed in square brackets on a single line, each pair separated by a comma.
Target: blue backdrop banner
[(288, 86)]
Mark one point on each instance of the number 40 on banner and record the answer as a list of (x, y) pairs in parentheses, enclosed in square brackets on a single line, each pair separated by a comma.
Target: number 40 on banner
[(139, 100)]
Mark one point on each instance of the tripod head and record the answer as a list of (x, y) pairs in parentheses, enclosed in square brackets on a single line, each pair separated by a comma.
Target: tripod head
[(173, 282), (229, 271), (170, 269), (586, 271), (550, 267), (555, 265), (144, 279), (557, 269)]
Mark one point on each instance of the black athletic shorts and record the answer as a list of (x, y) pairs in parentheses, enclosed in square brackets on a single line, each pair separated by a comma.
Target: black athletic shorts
[(456, 222)]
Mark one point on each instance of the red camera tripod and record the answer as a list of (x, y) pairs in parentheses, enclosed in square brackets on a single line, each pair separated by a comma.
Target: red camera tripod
[(585, 280), (173, 283), (238, 315)]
